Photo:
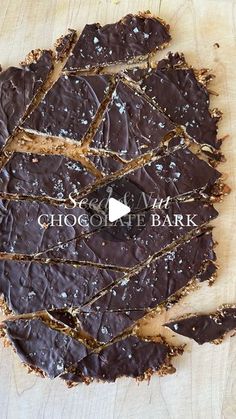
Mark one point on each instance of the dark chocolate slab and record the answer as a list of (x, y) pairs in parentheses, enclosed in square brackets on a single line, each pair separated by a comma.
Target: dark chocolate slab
[(136, 245), (174, 87), (54, 176), (69, 107), (206, 327), (28, 287), (129, 357), (131, 126), (21, 233), (180, 172), (145, 290), (18, 87), (40, 347), (132, 38)]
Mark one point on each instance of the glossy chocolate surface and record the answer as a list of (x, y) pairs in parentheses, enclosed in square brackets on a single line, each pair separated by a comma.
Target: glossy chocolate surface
[(206, 327), (130, 38)]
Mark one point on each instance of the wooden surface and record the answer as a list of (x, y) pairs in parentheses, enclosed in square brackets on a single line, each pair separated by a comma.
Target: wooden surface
[(204, 385)]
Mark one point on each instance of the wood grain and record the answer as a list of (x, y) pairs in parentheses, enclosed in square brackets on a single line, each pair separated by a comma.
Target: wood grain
[(204, 385)]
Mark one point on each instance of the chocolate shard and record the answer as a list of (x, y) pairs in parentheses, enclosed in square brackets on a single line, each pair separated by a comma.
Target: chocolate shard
[(174, 87), (208, 273), (64, 44), (18, 88), (131, 298), (131, 126), (42, 348), (129, 40), (148, 234), (206, 327), (31, 286), (130, 357), (69, 107), (54, 176), (28, 227)]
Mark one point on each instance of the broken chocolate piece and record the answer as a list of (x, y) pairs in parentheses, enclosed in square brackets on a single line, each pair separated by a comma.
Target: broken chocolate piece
[(206, 327), (131, 126), (208, 273), (53, 176), (64, 44), (130, 39), (132, 297), (174, 87), (69, 107), (43, 348), (129, 357), (28, 227), (18, 88), (31, 286), (158, 229)]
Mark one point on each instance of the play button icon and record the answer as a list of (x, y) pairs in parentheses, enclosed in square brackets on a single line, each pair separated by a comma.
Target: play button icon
[(116, 209)]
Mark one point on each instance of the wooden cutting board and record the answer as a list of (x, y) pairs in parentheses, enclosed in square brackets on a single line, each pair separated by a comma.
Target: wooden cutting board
[(204, 385)]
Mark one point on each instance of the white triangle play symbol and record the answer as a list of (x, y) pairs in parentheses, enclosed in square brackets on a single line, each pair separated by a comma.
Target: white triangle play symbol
[(116, 209)]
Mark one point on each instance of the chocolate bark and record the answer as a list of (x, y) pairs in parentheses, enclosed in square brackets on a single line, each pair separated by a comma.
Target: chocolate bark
[(129, 300), (131, 126), (64, 44), (208, 273), (206, 327), (18, 88), (22, 233), (130, 39), (69, 108), (138, 243), (54, 354), (53, 176), (30, 286), (43, 348), (174, 87), (129, 357)]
